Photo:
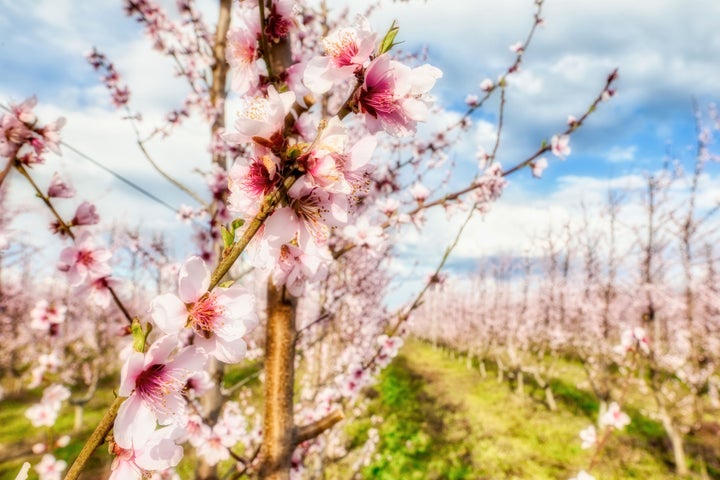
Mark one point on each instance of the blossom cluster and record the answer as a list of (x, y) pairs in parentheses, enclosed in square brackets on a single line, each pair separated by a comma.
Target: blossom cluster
[(156, 417), (318, 169), (22, 139)]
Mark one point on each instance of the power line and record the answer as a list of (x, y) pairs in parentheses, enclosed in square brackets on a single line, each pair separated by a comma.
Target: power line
[(123, 179), (120, 177)]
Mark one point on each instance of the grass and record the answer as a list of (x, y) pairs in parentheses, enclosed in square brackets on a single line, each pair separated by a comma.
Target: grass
[(17, 435), (444, 421)]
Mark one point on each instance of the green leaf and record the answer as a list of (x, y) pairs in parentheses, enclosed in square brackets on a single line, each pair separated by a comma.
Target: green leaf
[(388, 41), (227, 236), (237, 223), (139, 336)]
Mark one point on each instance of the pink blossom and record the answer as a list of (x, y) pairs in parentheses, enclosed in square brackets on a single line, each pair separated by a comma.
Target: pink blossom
[(539, 166), (391, 96), (388, 206), (295, 266), (13, 134), (472, 101), (614, 417), (219, 318), (59, 189), (42, 414), (29, 153), (334, 167), (54, 395), (389, 348), (198, 384), (154, 382), (63, 441), (242, 55), (419, 192), (483, 157), (560, 145), (98, 290), (279, 20), (24, 111), (363, 233), (262, 117), (631, 338), (49, 468), (250, 182), (51, 135), (142, 448), (486, 85), (39, 448), (45, 316), (517, 47), (85, 215), (185, 213), (607, 94), (588, 436), (83, 261), (310, 216), (215, 444), (347, 50)]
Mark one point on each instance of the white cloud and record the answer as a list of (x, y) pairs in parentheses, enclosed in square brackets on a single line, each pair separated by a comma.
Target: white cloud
[(622, 154)]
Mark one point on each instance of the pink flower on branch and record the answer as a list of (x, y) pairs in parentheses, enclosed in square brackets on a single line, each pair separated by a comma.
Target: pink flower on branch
[(85, 215), (142, 449), (539, 166), (119, 94), (614, 417), (154, 382), (59, 189), (219, 318), (46, 316), (588, 437), (391, 96), (560, 146), (84, 261), (242, 55), (347, 51), (262, 118), (49, 468)]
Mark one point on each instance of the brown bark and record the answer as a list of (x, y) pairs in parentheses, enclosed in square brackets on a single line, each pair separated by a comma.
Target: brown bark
[(277, 444), (220, 69)]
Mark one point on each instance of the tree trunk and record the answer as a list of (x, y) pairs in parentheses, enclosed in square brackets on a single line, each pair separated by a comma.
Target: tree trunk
[(277, 444), (483, 369), (550, 398), (676, 439), (77, 424), (520, 387)]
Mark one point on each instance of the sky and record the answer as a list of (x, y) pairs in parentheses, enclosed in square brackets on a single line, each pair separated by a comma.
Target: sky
[(666, 52)]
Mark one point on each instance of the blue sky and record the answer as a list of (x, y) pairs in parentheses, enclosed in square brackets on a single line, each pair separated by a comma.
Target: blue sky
[(666, 52)]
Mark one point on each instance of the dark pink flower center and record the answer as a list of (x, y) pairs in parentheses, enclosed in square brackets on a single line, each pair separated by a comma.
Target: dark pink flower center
[(152, 383), (377, 97), (344, 56), (259, 181), (205, 314), (85, 257)]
